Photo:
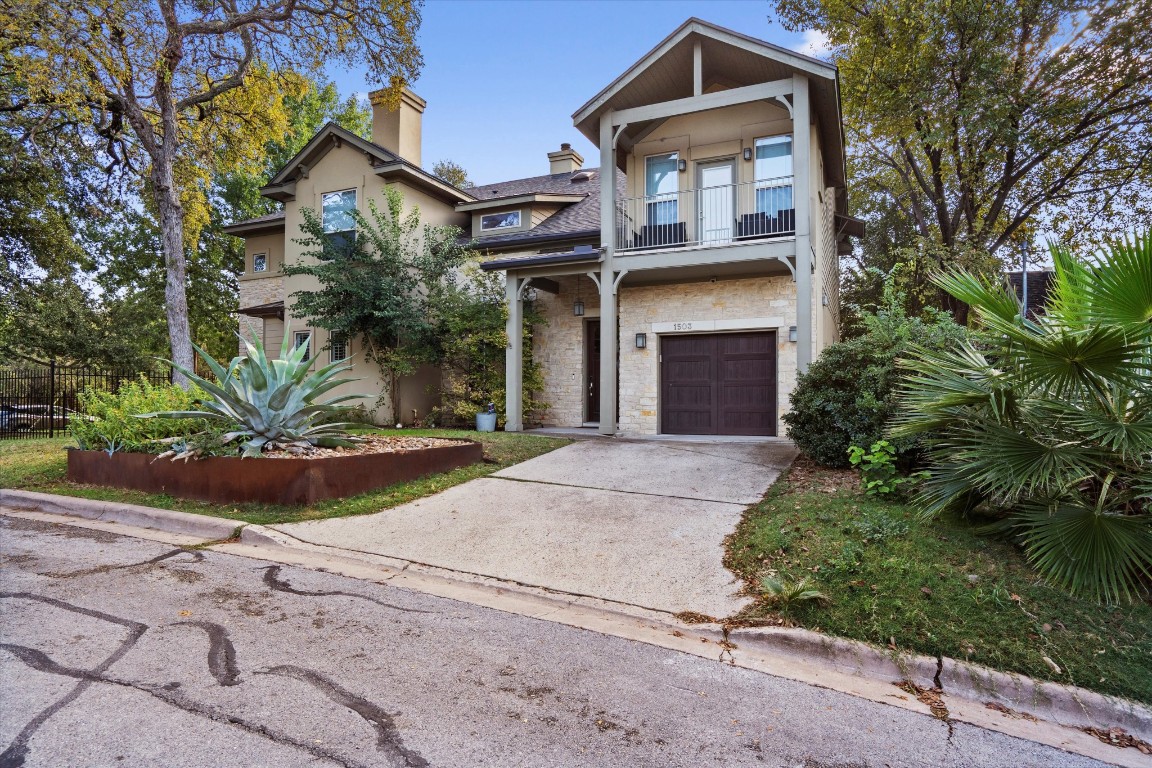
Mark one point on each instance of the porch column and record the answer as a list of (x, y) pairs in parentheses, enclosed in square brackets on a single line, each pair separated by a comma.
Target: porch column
[(802, 203), (514, 358), (609, 334)]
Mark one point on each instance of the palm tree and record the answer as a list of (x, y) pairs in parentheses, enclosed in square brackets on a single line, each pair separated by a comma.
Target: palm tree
[(1047, 423)]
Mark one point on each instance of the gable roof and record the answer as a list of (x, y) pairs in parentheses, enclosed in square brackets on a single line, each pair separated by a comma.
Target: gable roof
[(383, 161), (575, 220), (729, 59)]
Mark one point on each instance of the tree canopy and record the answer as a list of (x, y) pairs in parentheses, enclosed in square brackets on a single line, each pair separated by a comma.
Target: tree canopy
[(982, 124), (175, 91)]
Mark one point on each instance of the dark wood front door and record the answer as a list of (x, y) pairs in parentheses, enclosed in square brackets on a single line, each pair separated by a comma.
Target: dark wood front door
[(718, 384), (592, 369)]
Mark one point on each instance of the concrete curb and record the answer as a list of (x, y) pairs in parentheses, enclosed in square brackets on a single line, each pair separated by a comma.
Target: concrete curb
[(1065, 705), (203, 526)]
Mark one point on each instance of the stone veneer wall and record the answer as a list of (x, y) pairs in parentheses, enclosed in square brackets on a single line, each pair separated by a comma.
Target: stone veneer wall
[(725, 300), (558, 346), (254, 292)]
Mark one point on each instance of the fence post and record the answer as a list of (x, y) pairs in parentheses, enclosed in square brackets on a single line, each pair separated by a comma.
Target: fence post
[(52, 397)]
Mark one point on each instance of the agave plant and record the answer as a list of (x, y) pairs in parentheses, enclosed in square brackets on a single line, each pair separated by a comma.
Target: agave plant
[(1046, 423), (271, 404)]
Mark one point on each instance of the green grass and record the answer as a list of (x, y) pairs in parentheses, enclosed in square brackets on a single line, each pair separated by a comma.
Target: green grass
[(40, 465), (933, 588)]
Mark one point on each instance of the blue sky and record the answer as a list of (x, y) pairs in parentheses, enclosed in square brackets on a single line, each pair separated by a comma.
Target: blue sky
[(502, 79)]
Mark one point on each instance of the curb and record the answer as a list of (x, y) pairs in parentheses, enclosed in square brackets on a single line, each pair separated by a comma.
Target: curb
[(1063, 705), (1057, 703), (202, 526)]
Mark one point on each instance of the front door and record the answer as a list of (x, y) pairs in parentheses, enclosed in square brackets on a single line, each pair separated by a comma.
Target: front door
[(716, 201), (592, 369)]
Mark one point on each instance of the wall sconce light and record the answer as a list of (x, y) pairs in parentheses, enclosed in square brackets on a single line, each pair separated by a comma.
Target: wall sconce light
[(530, 294), (792, 335), (641, 341), (824, 298), (683, 166), (747, 153), (578, 308)]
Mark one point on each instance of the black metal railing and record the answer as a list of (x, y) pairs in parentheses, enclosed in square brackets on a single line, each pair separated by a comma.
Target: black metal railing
[(711, 216), (38, 401)]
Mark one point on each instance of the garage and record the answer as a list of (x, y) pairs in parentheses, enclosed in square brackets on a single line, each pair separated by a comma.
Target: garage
[(718, 384)]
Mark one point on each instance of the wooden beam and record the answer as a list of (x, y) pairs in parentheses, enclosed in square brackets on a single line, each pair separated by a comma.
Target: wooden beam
[(728, 98)]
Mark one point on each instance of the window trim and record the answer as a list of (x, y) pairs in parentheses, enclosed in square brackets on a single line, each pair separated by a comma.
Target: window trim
[(256, 256), (296, 342), (333, 340), (519, 221)]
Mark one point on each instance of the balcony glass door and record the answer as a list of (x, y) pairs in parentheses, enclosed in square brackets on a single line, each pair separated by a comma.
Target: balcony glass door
[(716, 201)]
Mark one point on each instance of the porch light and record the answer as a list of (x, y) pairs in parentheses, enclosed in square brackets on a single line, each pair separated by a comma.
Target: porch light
[(530, 295), (792, 335), (641, 341), (578, 308), (747, 153), (683, 166)]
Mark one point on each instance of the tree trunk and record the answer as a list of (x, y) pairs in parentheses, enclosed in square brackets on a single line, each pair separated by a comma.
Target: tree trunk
[(171, 214)]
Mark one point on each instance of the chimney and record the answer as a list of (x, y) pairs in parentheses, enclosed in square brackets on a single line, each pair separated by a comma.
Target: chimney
[(398, 130), (567, 160)]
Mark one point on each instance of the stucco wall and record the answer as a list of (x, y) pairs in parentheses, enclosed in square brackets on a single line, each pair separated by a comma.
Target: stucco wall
[(767, 303)]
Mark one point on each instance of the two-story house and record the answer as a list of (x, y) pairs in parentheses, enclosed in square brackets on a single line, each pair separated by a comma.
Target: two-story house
[(721, 220), (684, 283), (335, 172)]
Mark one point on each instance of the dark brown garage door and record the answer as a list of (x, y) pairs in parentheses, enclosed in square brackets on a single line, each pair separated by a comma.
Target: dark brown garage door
[(720, 384)]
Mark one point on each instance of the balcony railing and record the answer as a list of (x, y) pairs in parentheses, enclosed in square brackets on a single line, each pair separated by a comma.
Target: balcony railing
[(712, 216)]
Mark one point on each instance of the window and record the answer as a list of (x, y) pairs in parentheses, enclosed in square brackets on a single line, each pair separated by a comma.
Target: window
[(338, 348), (339, 224), (506, 220), (259, 262), (660, 188), (304, 339), (774, 175)]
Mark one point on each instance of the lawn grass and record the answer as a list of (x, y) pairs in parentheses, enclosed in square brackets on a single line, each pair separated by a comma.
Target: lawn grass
[(40, 465), (933, 588)]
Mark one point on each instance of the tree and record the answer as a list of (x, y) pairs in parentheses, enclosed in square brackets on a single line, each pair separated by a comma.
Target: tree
[(386, 286), (984, 123), (453, 173), (175, 87), (1046, 424)]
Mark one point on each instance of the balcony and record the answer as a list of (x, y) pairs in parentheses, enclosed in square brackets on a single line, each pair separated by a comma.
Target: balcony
[(708, 217)]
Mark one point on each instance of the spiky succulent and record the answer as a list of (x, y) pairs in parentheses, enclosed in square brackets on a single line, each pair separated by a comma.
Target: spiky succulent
[(271, 404)]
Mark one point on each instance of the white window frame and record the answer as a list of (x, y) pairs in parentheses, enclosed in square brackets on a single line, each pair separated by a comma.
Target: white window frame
[(519, 221), (334, 342), (296, 342), (255, 256)]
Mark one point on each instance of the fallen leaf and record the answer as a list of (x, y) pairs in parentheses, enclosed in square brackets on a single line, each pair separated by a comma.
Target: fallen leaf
[(185, 613), (926, 590)]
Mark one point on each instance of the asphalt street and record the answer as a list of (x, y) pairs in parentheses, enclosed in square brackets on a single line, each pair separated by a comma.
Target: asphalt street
[(116, 651)]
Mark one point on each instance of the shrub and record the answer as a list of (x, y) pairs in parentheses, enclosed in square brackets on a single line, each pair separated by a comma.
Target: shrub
[(848, 393), (111, 423), (878, 472), (1048, 424), (474, 339)]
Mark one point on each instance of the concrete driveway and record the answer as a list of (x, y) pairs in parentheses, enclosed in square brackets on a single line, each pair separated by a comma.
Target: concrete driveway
[(634, 522)]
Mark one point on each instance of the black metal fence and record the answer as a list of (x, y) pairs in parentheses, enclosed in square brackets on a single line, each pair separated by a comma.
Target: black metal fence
[(38, 401)]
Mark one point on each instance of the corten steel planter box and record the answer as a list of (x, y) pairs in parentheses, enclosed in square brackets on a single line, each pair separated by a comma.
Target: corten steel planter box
[(229, 480)]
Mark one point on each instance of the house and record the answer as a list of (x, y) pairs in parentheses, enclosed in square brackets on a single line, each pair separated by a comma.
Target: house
[(1033, 294), (338, 170), (722, 216), (684, 283)]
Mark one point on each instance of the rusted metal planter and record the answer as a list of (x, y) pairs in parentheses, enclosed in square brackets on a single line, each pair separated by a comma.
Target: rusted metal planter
[(230, 480)]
